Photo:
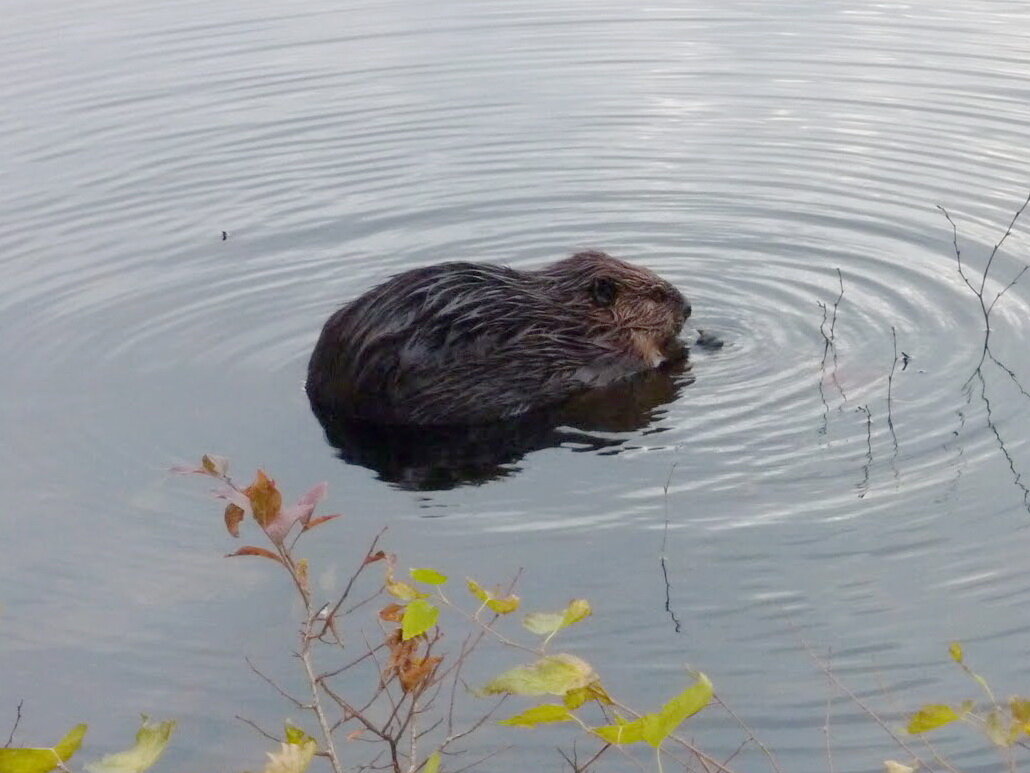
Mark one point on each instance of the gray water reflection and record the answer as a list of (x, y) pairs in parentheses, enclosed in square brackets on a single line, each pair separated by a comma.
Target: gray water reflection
[(745, 150)]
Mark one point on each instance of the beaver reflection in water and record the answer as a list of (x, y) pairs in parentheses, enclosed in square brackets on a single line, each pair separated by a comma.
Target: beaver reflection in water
[(466, 343)]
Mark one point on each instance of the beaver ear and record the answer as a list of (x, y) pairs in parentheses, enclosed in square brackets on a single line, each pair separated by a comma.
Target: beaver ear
[(603, 291)]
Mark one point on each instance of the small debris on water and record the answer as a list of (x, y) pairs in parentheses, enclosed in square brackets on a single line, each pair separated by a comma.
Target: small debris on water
[(225, 235), (904, 360), (708, 340)]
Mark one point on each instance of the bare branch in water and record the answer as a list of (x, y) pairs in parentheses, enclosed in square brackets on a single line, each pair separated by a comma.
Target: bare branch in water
[(1001, 241), (677, 626), (17, 721), (890, 384)]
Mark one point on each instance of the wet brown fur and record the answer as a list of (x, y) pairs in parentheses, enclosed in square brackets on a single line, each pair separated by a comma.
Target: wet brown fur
[(462, 343)]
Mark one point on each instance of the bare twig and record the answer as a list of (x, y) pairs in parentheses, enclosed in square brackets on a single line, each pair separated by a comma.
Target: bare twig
[(751, 735), (677, 626), (858, 701), (259, 729), (997, 246), (275, 685)]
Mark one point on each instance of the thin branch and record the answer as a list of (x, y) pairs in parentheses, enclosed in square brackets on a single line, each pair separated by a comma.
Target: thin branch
[(259, 729), (958, 253), (275, 686), (351, 581), (858, 701), (751, 735), (890, 384), (1007, 288), (987, 268)]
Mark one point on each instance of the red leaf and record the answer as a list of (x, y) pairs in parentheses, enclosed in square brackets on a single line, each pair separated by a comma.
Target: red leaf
[(249, 550), (183, 469), (280, 526), (371, 558), (320, 520), (309, 501)]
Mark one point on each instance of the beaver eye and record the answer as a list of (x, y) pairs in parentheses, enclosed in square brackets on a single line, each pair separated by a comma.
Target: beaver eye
[(603, 291)]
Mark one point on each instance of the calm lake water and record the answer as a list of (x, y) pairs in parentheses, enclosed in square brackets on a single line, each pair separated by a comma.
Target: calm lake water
[(745, 150)]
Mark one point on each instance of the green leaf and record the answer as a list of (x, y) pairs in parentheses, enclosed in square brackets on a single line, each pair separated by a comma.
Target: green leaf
[(549, 623), (655, 728), (932, 716), (42, 760), (658, 727), (554, 675), (428, 576), (432, 764), (419, 617), (151, 740), (291, 758), (955, 650), (538, 715)]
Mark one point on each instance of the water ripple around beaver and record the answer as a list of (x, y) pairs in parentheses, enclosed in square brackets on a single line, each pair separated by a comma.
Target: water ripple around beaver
[(794, 485)]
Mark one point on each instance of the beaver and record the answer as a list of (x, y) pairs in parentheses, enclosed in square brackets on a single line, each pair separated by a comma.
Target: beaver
[(467, 343)]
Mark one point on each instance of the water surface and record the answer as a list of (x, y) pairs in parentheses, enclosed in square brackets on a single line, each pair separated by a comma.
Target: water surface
[(746, 151)]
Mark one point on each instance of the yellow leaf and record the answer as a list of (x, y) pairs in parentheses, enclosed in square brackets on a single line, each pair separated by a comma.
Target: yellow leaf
[(554, 675), (265, 499), (538, 715), (403, 591), (42, 760), (955, 650), (296, 736), (548, 623), (504, 606), (291, 758), (432, 764), (890, 766), (931, 716), (1020, 710), (501, 606), (217, 466), (624, 732), (151, 740)]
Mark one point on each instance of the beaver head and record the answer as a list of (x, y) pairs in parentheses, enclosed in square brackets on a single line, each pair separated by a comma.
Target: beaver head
[(622, 303), (461, 343)]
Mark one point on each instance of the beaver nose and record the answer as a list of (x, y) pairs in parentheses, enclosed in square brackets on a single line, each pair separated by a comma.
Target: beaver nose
[(683, 302)]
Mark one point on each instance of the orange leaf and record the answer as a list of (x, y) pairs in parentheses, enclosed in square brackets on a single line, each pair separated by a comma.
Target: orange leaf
[(265, 499), (371, 558), (321, 519), (249, 550), (416, 671), (233, 518), (392, 613)]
